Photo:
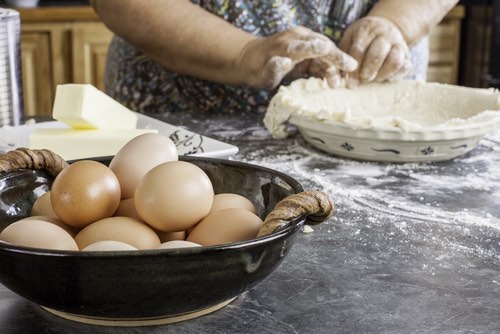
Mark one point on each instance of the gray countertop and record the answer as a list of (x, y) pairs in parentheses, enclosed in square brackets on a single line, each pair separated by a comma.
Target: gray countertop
[(412, 248)]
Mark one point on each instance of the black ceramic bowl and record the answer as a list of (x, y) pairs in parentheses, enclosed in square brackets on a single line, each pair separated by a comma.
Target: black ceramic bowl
[(146, 284)]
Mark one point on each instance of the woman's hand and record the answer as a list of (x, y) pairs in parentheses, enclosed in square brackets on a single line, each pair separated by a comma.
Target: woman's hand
[(187, 39), (380, 49), (294, 53)]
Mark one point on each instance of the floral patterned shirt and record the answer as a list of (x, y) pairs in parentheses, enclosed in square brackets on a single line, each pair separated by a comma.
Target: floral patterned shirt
[(146, 87)]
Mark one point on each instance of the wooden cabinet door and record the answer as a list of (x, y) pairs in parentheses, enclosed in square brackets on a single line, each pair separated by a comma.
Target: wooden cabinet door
[(444, 48), (444, 45), (38, 83), (89, 48)]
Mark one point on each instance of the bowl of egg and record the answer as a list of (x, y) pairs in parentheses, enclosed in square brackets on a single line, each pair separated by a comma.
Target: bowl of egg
[(145, 236)]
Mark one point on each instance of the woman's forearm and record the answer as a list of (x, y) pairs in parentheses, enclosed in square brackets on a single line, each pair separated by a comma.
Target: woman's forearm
[(413, 17), (179, 35)]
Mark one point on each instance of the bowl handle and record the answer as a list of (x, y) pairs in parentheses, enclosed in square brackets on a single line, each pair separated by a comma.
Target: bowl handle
[(25, 158), (316, 206)]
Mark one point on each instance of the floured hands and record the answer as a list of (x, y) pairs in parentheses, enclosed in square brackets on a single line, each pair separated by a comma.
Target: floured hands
[(372, 49), (380, 49), (291, 54)]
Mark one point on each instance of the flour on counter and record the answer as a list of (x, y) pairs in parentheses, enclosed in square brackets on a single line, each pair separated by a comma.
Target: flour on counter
[(406, 105), (401, 191)]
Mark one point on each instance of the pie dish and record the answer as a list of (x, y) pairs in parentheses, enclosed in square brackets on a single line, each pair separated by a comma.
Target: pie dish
[(397, 122)]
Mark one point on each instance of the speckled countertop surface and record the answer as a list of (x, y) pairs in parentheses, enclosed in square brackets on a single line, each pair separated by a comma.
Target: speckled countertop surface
[(412, 248)]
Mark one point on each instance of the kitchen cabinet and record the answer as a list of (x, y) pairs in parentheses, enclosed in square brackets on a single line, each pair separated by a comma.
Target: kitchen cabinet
[(60, 45), (36, 72), (69, 45), (89, 49), (444, 48)]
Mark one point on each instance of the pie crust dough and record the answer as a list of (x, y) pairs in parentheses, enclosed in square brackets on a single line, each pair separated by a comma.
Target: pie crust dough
[(404, 105)]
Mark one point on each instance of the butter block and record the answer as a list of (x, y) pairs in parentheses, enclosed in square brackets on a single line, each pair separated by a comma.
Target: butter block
[(83, 106), (81, 144)]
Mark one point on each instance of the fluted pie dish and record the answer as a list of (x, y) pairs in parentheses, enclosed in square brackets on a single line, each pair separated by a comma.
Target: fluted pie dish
[(405, 121)]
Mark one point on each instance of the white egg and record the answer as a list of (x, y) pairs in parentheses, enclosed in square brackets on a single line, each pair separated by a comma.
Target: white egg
[(139, 156), (178, 244)]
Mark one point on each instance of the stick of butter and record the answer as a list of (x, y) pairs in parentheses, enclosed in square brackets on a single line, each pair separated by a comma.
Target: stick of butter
[(81, 144), (83, 106)]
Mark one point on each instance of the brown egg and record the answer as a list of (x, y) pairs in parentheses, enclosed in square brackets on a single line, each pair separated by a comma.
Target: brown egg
[(174, 196), (228, 200), (225, 226), (84, 192), (53, 220), (123, 229), (43, 206), (138, 157), (108, 245), (38, 234), (126, 208)]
